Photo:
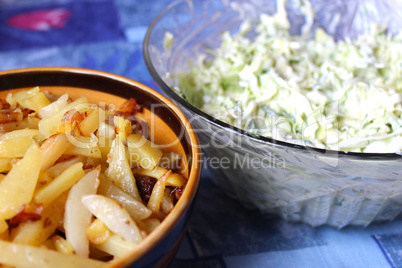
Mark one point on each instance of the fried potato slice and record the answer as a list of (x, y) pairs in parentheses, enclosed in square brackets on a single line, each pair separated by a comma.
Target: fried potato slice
[(148, 225), (167, 201), (84, 146), (119, 171), (115, 245), (92, 122), (76, 216), (20, 133), (135, 208), (18, 186), (58, 168), (28, 122), (173, 179), (37, 232), (142, 151), (15, 148), (54, 107), (53, 148), (16, 255), (155, 200), (49, 124), (36, 102), (3, 226), (106, 135), (23, 95), (62, 245), (97, 232), (114, 215), (122, 127), (48, 193), (5, 164)]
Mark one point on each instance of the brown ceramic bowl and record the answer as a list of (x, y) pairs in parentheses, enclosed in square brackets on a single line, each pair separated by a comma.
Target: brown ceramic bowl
[(165, 120)]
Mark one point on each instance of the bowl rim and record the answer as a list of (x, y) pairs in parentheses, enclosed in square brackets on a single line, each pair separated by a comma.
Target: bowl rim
[(241, 132), (194, 176)]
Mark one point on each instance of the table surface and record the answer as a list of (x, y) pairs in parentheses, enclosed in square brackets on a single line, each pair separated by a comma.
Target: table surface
[(107, 35)]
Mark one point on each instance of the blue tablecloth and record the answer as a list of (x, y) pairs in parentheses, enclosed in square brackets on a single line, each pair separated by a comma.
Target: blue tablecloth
[(107, 35)]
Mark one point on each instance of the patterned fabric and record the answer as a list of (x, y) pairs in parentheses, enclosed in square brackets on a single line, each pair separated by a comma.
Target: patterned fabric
[(107, 35)]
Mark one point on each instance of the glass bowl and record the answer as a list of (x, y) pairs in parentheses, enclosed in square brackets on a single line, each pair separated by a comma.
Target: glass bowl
[(168, 127), (298, 183)]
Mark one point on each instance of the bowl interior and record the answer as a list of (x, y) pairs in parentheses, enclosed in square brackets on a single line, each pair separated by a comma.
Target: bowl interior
[(197, 27), (162, 131), (167, 127)]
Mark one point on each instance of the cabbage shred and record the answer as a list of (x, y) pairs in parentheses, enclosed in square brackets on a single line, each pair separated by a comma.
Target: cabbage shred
[(341, 95)]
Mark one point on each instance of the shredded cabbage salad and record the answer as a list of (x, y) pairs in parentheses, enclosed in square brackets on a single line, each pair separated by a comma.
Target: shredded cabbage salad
[(342, 95)]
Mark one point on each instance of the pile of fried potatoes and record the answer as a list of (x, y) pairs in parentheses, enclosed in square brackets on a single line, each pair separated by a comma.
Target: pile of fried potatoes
[(80, 184)]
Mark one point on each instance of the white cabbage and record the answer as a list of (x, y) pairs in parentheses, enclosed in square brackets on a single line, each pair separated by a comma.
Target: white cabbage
[(341, 95)]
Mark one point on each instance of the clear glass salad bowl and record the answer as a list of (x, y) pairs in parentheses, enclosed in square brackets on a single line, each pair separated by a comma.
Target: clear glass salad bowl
[(298, 183)]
